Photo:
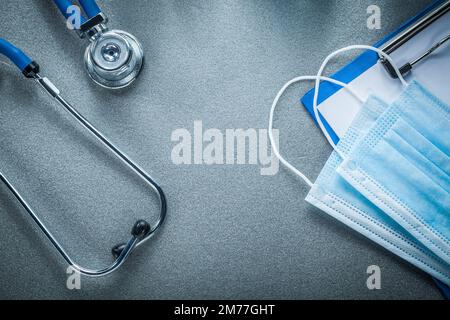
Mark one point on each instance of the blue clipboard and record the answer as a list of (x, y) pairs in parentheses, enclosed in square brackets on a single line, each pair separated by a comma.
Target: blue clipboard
[(353, 70), (357, 67)]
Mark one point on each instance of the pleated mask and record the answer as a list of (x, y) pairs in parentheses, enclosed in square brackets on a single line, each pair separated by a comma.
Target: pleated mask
[(337, 197)]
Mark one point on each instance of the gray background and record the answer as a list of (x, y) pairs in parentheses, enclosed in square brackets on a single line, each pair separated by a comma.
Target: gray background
[(230, 232)]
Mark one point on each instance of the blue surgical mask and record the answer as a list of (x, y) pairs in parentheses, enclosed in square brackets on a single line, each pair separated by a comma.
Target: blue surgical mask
[(339, 198), (335, 196), (403, 167)]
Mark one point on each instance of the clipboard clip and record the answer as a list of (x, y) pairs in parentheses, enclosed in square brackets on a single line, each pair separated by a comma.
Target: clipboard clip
[(407, 67), (409, 33)]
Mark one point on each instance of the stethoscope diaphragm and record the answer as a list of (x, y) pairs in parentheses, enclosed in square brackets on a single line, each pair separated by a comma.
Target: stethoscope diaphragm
[(114, 59)]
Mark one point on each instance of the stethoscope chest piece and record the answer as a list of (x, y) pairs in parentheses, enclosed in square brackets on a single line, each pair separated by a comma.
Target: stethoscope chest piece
[(114, 59)]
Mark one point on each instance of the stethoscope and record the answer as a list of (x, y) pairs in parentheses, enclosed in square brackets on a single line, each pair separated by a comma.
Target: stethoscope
[(141, 230), (114, 58)]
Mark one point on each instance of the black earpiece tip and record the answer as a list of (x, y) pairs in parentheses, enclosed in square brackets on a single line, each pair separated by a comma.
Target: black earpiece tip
[(31, 70), (117, 250), (140, 229)]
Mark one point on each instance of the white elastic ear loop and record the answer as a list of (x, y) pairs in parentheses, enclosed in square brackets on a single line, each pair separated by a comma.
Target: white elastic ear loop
[(319, 74), (272, 110)]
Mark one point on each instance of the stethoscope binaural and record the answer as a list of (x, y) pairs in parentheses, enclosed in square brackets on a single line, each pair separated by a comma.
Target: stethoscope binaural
[(114, 58), (142, 230)]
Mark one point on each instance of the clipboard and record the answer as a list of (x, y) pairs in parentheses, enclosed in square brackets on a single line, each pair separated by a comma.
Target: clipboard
[(367, 76)]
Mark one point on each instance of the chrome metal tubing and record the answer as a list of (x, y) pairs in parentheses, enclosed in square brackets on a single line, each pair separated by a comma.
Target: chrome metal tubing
[(431, 50), (135, 240)]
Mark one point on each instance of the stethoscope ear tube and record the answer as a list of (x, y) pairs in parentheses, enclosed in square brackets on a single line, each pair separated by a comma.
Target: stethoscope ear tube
[(18, 57), (141, 230), (90, 7), (28, 67)]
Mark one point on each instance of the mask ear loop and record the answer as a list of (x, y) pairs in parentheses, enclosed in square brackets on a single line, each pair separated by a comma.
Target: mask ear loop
[(319, 74), (272, 110)]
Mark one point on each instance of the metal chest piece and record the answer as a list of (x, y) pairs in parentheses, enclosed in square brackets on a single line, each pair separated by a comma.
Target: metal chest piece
[(113, 58)]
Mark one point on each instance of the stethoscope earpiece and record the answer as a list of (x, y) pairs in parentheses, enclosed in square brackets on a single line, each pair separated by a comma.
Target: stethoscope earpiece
[(114, 59), (140, 230)]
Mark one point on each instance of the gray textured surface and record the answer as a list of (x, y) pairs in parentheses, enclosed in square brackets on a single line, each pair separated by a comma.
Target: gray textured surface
[(230, 233)]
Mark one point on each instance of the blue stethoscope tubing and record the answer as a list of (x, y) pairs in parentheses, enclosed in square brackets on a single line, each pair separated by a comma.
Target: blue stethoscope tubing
[(17, 56), (142, 230), (90, 8)]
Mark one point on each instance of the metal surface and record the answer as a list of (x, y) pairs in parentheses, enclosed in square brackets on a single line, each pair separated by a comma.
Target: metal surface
[(231, 233)]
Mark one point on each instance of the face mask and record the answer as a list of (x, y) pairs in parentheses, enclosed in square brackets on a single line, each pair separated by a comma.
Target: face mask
[(411, 185), (335, 196), (403, 167)]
